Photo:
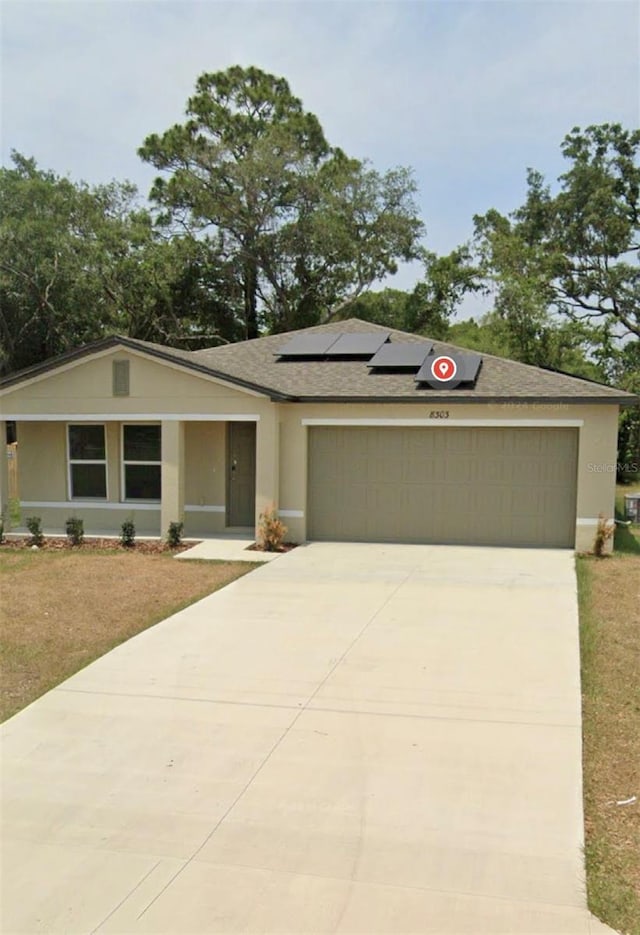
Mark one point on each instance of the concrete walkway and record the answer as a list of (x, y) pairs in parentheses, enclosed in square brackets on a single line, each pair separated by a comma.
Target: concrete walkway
[(354, 739), (228, 549)]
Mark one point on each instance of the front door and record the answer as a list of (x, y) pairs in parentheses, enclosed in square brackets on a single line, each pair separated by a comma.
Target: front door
[(241, 473)]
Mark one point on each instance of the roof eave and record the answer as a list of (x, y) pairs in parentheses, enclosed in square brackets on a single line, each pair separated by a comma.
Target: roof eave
[(52, 363), (208, 371), (485, 400), (104, 344)]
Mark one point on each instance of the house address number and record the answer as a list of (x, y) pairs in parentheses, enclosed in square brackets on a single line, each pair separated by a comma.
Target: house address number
[(439, 414)]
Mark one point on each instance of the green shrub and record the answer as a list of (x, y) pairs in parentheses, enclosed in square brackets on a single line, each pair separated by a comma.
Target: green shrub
[(604, 532), (34, 525), (75, 530), (174, 535), (271, 531), (128, 534)]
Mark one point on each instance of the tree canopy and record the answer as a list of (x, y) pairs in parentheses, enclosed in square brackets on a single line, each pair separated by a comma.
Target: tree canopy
[(574, 253), (78, 263), (303, 228), (49, 299), (563, 269)]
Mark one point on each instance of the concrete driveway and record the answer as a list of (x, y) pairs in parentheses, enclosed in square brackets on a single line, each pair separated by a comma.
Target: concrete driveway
[(353, 738)]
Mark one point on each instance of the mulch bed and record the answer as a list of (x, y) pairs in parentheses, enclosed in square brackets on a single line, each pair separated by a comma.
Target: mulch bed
[(143, 546), (285, 547), (60, 543)]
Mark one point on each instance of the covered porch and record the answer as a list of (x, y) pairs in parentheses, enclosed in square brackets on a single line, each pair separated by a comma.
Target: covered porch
[(214, 473)]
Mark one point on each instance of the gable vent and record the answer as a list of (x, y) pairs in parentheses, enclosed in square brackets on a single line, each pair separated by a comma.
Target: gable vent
[(120, 377)]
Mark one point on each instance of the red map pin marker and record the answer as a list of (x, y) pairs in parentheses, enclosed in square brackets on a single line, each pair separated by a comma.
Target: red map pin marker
[(443, 369)]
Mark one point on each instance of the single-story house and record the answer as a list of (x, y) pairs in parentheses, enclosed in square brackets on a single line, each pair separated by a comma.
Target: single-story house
[(352, 431)]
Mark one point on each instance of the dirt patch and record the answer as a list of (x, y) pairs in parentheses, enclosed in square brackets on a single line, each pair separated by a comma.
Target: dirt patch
[(610, 625), (62, 608)]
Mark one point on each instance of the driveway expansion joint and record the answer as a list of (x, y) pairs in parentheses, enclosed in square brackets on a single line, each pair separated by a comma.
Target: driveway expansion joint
[(128, 896)]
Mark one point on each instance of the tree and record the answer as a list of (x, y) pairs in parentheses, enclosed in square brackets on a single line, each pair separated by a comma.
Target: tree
[(554, 346), (623, 370), (50, 300), (351, 227), (386, 307), (304, 228), (481, 336), (574, 253), (78, 263), (163, 289), (434, 300), (597, 219), (427, 309), (232, 166)]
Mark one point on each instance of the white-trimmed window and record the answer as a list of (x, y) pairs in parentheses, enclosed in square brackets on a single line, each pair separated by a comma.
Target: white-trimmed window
[(141, 462), (87, 459)]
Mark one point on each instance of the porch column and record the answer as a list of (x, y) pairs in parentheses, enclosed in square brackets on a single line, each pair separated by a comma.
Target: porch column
[(267, 461), (172, 505), (4, 476)]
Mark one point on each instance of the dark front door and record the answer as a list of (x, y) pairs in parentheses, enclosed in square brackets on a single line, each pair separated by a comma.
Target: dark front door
[(241, 473)]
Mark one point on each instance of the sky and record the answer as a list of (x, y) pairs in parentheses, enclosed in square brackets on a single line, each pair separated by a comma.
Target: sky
[(469, 94)]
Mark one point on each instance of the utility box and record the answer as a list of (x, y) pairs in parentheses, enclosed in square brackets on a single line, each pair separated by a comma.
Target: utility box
[(632, 507)]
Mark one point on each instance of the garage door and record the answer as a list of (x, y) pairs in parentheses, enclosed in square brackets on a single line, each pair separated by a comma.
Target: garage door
[(480, 486)]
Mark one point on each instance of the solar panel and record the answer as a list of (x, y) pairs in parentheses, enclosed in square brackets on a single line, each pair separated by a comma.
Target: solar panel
[(471, 367), (401, 355), (466, 369), (307, 345), (362, 344)]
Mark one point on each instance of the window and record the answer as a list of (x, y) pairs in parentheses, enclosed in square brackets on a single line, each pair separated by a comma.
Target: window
[(87, 462), (141, 462)]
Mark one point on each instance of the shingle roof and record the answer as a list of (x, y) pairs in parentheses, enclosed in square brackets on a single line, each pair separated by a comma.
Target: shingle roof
[(353, 380), (254, 364)]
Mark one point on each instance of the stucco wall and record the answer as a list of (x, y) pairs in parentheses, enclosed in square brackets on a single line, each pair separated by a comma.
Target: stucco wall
[(159, 390), (86, 387), (43, 477), (596, 457), (42, 460), (97, 521)]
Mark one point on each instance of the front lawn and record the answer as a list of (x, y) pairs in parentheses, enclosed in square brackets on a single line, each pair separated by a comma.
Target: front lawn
[(627, 538), (609, 591), (62, 609)]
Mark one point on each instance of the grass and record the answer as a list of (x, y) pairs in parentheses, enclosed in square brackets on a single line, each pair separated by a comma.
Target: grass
[(609, 592), (60, 610), (627, 538)]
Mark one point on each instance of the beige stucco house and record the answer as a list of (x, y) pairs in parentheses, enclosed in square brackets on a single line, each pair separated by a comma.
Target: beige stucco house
[(347, 429)]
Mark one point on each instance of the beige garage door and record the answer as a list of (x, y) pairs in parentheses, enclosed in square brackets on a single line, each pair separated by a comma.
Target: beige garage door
[(480, 486)]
